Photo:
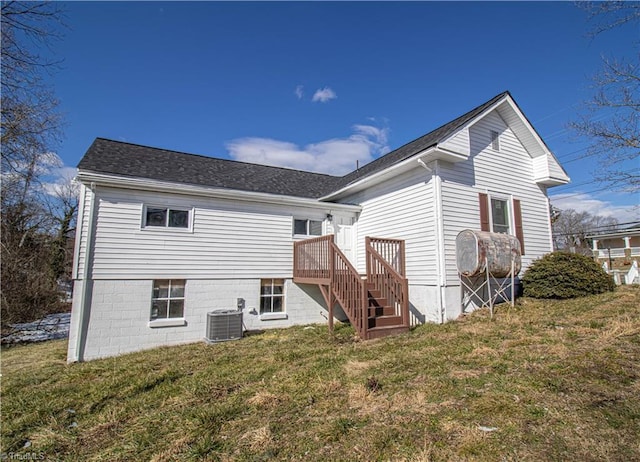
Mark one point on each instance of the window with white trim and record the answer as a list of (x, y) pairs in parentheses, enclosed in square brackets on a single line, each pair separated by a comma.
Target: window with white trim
[(500, 221), (502, 215), (303, 227), (167, 300), (166, 217), (495, 140), (271, 296)]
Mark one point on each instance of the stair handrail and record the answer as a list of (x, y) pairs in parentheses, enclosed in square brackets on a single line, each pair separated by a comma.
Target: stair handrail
[(350, 290), (384, 278), (391, 250)]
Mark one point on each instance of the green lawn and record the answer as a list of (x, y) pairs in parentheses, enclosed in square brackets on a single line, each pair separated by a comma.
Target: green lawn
[(546, 380)]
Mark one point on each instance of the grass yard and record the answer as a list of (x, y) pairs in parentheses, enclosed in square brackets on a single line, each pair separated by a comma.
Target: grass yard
[(546, 380)]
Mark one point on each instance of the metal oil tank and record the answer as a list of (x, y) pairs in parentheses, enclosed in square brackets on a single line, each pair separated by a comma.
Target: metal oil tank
[(477, 250)]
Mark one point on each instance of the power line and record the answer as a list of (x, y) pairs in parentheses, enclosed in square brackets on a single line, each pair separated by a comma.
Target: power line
[(581, 193), (571, 186)]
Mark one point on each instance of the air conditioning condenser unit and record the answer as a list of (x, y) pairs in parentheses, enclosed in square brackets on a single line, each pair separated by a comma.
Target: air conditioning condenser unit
[(223, 325)]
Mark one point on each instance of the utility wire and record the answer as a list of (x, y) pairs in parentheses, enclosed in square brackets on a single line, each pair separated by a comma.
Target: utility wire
[(581, 193)]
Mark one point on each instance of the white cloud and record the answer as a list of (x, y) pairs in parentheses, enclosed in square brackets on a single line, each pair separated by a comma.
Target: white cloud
[(61, 181), (52, 176), (299, 91), (583, 202), (323, 95), (336, 156)]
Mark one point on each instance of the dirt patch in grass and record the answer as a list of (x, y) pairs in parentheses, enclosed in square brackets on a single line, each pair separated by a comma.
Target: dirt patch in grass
[(546, 380)]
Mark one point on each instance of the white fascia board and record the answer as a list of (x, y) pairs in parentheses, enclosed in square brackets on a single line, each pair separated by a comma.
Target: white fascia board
[(552, 181), (218, 193), (382, 175)]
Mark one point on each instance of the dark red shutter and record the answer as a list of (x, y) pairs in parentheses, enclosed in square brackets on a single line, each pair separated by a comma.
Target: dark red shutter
[(517, 216), (484, 212)]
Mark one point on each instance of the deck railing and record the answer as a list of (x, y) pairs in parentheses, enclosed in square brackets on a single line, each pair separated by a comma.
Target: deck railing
[(384, 277), (312, 260), (391, 251)]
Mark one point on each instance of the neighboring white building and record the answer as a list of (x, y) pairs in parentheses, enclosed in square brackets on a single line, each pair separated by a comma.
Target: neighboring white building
[(166, 237), (619, 253)]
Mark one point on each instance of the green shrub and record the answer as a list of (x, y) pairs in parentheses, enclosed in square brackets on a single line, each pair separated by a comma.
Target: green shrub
[(565, 275)]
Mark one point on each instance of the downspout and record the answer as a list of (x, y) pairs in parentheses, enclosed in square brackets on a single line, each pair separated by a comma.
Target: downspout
[(441, 269), (85, 295), (550, 224)]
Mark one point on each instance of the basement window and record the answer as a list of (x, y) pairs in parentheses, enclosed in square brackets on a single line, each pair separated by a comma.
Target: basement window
[(272, 299), (167, 302)]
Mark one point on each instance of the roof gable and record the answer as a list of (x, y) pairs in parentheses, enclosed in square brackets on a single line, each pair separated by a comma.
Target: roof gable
[(420, 144)]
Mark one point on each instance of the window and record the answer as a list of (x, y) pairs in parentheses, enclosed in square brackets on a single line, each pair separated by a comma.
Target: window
[(496, 213), (307, 227), (271, 296), (166, 217), (495, 140), (500, 215), (167, 300)]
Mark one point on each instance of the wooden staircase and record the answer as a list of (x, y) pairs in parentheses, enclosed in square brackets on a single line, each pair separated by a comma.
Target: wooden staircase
[(377, 304)]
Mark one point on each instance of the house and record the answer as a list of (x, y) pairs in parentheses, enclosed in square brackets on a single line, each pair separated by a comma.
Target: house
[(166, 237), (619, 252)]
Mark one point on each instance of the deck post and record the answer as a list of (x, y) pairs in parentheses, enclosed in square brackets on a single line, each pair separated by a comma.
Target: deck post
[(331, 297)]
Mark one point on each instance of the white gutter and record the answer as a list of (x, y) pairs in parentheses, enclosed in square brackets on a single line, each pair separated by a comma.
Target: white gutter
[(76, 245), (85, 296), (219, 193)]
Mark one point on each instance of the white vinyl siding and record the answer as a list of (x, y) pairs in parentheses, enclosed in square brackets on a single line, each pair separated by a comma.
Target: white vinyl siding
[(401, 208), (458, 142), (507, 173), (229, 239)]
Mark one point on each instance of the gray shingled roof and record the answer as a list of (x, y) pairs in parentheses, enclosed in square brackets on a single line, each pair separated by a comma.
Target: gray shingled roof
[(132, 160)]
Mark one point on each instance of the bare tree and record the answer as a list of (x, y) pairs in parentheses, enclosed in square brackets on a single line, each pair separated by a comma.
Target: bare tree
[(30, 131), (570, 229), (610, 120)]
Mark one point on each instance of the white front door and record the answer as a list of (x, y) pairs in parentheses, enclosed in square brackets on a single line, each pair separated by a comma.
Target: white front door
[(344, 231)]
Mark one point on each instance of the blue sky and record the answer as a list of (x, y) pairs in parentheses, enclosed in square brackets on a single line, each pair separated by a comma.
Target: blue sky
[(318, 86)]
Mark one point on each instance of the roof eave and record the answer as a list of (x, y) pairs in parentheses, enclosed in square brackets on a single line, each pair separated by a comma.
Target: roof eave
[(427, 155), (90, 177)]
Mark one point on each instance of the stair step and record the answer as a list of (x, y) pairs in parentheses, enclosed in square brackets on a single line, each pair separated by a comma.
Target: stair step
[(378, 301), (387, 310), (384, 321), (374, 293), (379, 332)]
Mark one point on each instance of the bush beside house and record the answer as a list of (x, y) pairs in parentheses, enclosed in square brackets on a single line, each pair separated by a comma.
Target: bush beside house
[(563, 275)]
